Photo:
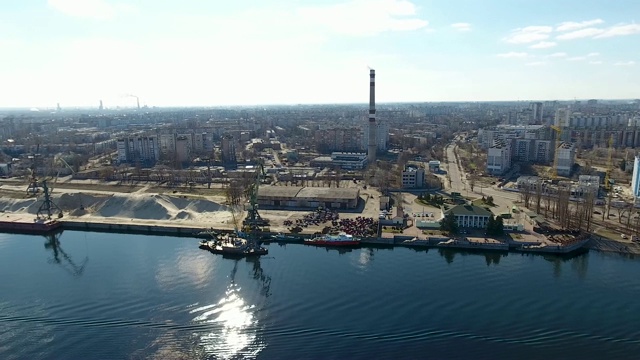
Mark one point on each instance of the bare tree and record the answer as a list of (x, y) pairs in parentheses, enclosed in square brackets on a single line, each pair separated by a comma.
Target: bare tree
[(538, 192)]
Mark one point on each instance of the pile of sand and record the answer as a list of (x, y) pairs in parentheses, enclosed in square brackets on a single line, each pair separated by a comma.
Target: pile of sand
[(129, 206)]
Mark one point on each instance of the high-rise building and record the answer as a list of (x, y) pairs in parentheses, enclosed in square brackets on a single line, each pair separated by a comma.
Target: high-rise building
[(566, 158), (499, 157), (138, 149), (537, 109), (372, 146), (635, 180), (228, 150)]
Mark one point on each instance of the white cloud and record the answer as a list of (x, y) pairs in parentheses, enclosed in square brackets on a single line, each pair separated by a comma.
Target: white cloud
[(620, 30), (365, 18), (536, 63), (461, 26), (625, 63), (528, 34), (93, 9), (582, 33), (557, 55), (543, 45), (597, 62), (577, 58), (513, 54), (593, 54), (572, 25)]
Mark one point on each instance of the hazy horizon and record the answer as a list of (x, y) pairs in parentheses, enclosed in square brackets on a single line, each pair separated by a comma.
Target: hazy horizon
[(198, 53)]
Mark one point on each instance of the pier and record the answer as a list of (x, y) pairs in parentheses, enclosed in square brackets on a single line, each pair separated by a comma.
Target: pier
[(25, 223)]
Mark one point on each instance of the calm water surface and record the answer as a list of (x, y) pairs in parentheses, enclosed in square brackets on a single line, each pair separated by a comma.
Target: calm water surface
[(112, 296)]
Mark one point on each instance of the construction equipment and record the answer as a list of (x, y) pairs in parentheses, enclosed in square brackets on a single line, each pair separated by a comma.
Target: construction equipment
[(47, 204), (554, 167), (608, 182), (254, 220)]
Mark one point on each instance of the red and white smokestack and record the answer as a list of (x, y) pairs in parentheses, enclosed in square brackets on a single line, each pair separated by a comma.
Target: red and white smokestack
[(373, 144)]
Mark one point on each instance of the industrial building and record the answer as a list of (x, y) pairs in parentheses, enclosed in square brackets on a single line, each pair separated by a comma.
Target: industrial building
[(413, 177), (308, 197), (345, 161)]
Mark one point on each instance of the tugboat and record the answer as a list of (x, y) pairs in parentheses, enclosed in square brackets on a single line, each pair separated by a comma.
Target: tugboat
[(237, 244), (340, 239)]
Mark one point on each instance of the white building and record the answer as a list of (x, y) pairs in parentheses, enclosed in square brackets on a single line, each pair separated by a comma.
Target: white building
[(382, 135), (138, 148), (413, 177), (565, 159), (499, 158), (346, 161), (470, 216), (635, 180)]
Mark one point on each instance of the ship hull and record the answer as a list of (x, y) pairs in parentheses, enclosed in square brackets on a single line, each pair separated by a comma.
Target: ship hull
[(35, 228)]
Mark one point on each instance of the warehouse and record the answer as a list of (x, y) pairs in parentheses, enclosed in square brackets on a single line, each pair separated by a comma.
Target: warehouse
[(308, 197)]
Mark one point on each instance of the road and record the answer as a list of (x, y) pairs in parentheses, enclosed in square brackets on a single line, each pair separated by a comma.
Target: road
[(458, 182)]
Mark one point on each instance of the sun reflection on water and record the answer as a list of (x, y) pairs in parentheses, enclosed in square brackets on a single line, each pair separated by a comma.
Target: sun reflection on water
[(236, 335)]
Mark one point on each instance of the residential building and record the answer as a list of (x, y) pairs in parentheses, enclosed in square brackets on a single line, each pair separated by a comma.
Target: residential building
[(565, 159), (382, 135), (413, 177), (183, 149), (470, 216), (228, 150), (499, 158), (543, 151), (138, 149), (339, 139)]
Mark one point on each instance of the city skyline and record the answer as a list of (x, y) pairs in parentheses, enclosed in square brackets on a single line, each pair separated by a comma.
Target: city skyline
[(78, 53)]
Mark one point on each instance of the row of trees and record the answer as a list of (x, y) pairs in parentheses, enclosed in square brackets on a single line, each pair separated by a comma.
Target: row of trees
[(555, 203)]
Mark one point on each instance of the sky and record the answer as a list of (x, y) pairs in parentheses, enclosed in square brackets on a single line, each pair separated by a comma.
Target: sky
[(241, 52)]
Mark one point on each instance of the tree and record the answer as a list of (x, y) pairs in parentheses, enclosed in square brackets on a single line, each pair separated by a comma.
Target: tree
[(495, 226), (449, 224), (623, 165)]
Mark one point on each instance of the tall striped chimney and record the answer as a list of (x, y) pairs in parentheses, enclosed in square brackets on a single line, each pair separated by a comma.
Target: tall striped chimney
[(373, 144)]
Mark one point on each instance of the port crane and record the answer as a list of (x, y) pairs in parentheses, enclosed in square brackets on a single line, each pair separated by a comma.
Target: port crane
[(254, 220)]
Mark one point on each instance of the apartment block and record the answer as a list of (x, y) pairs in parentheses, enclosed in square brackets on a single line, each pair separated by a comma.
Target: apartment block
[(499, 157)]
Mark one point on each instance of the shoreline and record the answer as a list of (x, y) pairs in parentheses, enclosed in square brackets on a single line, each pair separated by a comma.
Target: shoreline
[(165, 228)]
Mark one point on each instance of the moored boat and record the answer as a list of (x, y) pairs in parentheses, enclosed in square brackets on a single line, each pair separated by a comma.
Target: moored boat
[(341, 239)]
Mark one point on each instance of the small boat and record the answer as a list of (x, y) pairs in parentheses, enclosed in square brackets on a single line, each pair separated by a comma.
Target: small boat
[(341, 239)]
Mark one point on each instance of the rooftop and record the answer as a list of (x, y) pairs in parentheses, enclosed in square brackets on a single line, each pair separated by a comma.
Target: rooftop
[(468, 210)]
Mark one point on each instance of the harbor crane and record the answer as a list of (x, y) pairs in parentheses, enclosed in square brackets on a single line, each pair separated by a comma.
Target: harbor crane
[(254, 220)]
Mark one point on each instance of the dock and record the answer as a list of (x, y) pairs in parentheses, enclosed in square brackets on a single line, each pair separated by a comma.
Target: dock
[(26, 223)]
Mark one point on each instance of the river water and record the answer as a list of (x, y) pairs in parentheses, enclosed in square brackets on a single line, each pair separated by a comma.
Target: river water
[(113, 296)]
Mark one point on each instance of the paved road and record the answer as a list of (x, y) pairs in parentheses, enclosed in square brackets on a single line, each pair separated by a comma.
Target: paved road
[(503, 199)]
